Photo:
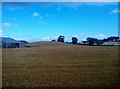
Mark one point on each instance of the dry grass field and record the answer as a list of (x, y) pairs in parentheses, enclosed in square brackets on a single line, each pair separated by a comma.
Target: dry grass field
[(60, 66)]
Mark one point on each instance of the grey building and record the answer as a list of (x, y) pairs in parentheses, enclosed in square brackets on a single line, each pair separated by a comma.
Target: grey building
[(11, 43), (111, 43)]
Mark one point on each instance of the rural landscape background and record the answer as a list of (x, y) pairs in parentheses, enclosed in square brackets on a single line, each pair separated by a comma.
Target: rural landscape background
[(60, 45), (61, 65)]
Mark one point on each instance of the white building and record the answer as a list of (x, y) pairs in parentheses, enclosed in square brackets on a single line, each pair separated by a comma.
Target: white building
[(111, 43)]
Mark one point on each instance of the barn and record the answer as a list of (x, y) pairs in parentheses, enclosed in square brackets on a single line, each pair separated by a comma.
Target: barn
[(12, 43)]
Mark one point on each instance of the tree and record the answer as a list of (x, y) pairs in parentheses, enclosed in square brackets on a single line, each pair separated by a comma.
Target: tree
[(74, 40), (113, 38), (116, 38), (94, 41), (100, 42), (61, 38), (84, 42), (53, 40), (105, 40), (90, 41)]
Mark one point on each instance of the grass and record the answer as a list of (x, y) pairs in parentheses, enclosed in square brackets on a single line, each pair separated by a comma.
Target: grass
[(61, 66)]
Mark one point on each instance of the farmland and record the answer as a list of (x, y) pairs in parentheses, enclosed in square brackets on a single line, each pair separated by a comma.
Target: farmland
[(60, 65)]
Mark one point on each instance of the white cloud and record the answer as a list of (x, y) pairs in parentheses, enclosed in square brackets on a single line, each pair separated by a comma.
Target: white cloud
[(115, 11), (1, 33), (76, 5), (75, 36), (100, 36), (35, 14), (41, 22), (9, 25), (84, 39), (54, 37), (45, 39), (23, 38), (13, 8), (40, 19)]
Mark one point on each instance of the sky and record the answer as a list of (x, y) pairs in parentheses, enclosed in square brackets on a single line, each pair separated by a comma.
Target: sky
[(44, 21)]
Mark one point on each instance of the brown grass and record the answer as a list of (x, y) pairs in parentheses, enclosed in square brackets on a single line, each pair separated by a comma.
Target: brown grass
[(61, 66)]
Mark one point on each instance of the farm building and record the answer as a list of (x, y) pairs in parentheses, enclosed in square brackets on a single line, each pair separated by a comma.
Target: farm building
[(11, 43), (111, 43)]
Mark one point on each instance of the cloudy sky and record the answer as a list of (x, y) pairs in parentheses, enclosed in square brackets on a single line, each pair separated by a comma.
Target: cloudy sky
[(44, 21)]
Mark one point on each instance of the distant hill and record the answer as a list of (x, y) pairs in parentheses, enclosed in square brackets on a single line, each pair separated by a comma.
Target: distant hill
[(7, 39), (6, 42), (47, 43)]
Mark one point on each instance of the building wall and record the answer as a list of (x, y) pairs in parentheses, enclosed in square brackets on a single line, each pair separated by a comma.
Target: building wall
[(22, 45), (111, 43), (13, 45)]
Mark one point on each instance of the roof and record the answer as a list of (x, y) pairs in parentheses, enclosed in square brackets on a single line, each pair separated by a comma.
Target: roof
[(9, 40)]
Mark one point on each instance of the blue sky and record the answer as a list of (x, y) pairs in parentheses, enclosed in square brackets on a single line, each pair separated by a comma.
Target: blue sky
[(44, 21)]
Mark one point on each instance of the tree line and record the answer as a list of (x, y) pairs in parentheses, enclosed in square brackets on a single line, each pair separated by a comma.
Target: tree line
[(90, 40)]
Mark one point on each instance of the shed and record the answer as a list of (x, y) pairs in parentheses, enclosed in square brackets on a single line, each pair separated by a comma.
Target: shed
[(12, 43)]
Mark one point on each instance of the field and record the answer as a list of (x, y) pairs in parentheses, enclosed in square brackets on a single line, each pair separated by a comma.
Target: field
[(60, 65)]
